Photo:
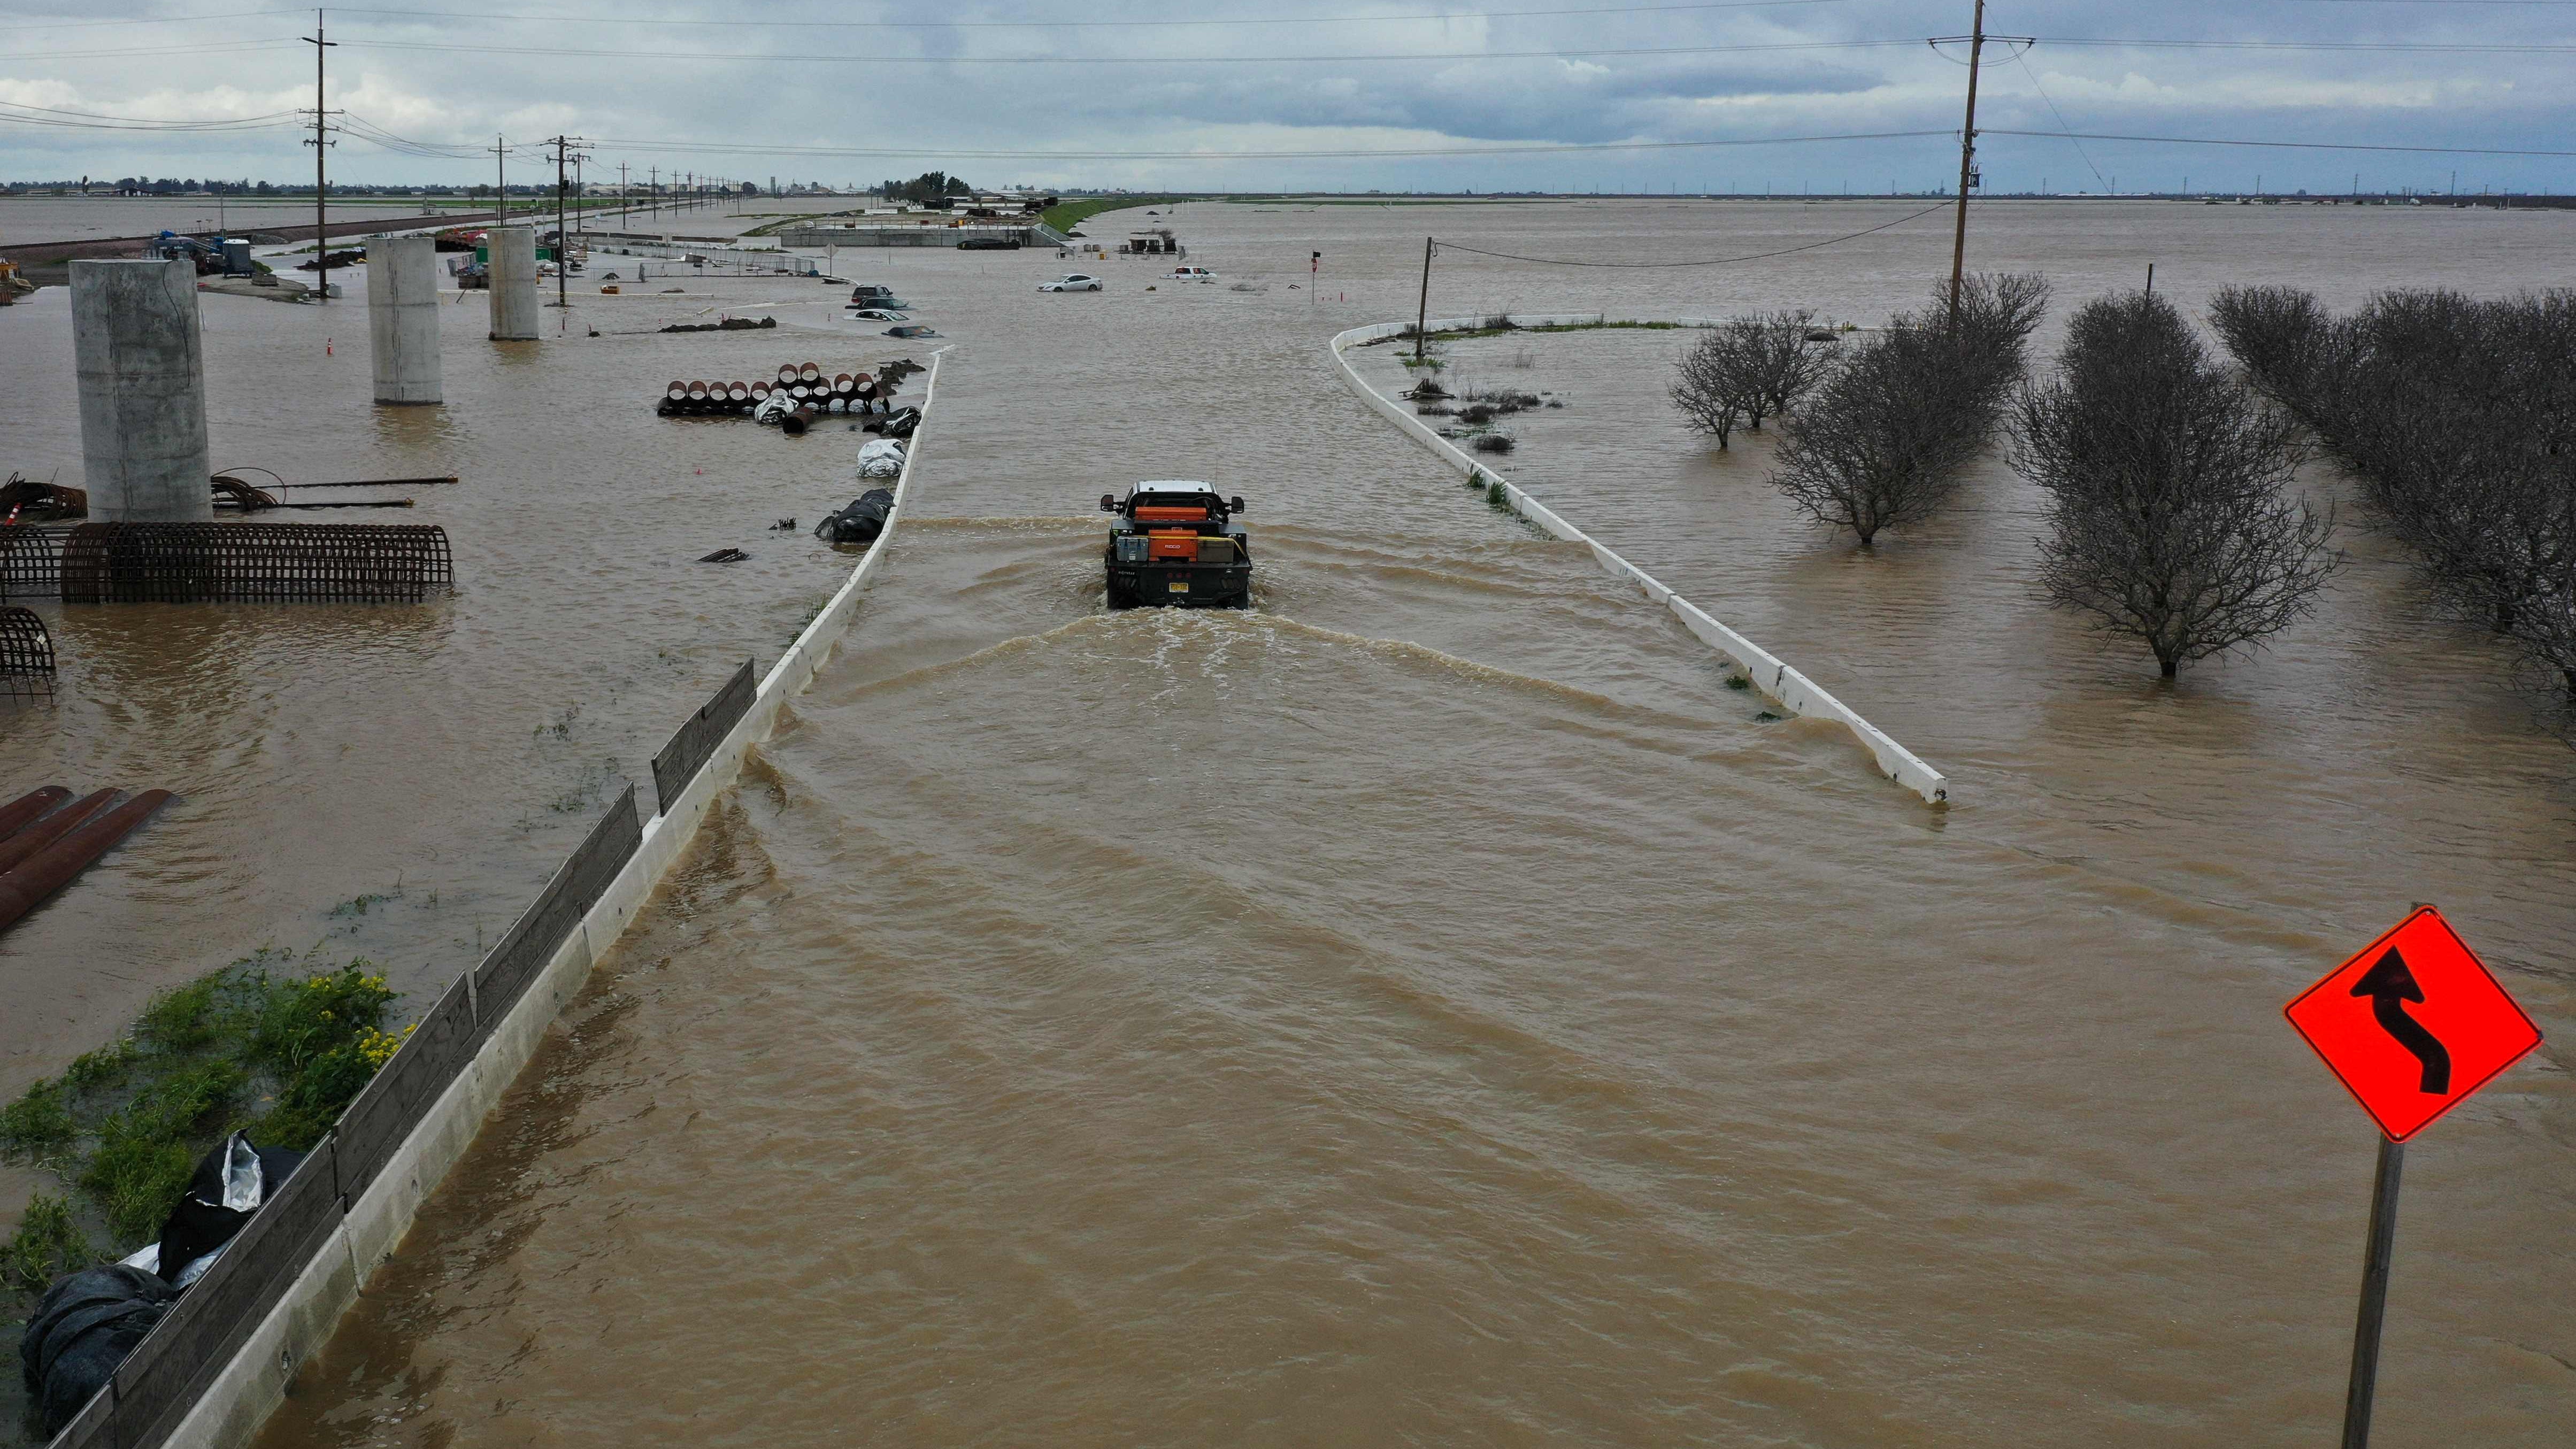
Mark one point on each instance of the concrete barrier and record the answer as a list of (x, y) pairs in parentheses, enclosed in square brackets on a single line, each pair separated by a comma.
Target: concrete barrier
[(1769, 673), (255, 1378)]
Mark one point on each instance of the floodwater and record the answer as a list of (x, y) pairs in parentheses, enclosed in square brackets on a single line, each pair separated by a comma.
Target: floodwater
[(1431, 1007)]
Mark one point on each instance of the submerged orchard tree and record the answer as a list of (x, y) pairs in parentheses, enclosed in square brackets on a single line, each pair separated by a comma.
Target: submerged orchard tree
[(2169, 517), (2457, 416), (1887, 434), (1753, 368), (1884, 439)]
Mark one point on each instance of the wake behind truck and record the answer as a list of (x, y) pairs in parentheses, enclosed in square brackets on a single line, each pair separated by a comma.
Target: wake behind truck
[(1176, 542)]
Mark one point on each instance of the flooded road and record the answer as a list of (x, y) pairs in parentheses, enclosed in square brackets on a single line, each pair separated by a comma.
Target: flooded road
[(1433, 1008)]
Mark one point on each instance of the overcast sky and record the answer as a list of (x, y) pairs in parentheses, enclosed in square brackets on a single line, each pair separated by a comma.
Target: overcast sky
[(935, 84)]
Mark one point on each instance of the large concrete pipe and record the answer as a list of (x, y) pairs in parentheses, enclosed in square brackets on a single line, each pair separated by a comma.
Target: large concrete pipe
[(514, 282), (402, 317), (142, 368)]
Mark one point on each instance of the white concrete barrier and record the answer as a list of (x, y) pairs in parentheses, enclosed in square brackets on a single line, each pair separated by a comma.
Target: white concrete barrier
[(1769, 673), (255, 1381)]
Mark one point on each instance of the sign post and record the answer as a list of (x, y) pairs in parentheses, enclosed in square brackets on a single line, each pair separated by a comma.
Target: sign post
[(2413, 1024)]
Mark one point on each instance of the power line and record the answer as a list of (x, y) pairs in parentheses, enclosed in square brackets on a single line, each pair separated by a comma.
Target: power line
[(1542, 148), (2288, 145), (216, 47), (1709, 262), (628, 20), (777, 57)]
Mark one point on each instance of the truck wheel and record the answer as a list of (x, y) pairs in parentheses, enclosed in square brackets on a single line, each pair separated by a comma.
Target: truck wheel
[(1120, 599)]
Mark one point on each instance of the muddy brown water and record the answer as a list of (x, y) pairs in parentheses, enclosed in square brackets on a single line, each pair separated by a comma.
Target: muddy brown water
[(1430, 1007)]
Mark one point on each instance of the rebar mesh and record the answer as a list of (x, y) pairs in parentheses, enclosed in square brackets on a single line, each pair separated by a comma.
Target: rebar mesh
[(31, 562), (26, 656), (255, 563)]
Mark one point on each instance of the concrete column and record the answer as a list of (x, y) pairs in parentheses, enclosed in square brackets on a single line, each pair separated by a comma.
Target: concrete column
[(514, 282), (141, 362), (402, 317)]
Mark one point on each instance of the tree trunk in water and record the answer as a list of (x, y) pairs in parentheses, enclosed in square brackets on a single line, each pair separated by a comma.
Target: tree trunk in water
[(2167, 667)]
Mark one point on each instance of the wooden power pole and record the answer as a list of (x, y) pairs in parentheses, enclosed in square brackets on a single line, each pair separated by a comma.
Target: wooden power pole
[(1968, 176), (321, 144)]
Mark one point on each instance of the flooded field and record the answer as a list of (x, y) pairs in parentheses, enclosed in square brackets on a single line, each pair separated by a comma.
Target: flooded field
[(1429, 1008)]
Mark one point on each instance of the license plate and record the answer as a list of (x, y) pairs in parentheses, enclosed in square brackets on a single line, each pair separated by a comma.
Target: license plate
[(1180, 586)]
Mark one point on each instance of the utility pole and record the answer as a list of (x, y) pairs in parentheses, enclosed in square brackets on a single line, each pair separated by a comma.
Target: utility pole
[(501, 176), (321, 144), (625, 197), (1968, 176), (563, 234), (1422, 307), (653, 184), (1967, 162), (580, 191)]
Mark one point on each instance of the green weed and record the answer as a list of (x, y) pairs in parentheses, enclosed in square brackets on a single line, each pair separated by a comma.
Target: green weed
[(47, 1245), (277, 1055)]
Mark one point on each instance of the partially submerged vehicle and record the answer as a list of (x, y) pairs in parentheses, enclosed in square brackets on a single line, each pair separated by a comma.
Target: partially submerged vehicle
[(874, 294), (1176, 542), (1072, 282), (877, 314)]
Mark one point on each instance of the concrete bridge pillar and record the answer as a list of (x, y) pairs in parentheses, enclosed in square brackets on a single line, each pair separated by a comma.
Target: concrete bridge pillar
[(514, 282), (402, 317), (141, 363)]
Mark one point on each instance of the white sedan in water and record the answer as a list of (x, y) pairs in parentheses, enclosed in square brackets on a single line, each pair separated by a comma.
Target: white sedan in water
[(1071, 282)]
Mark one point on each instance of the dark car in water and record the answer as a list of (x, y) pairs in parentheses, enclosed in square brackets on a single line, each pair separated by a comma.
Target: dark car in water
[(1176, 542)]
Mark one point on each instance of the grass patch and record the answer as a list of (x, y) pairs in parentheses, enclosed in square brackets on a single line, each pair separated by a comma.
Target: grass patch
[(1064, 216), (240, 1049), (47, 1245)]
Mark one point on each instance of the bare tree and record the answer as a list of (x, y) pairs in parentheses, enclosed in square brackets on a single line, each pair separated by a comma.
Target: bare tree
[(2280, 335), (1990, 329), (2169, 517), (1715, 385), (1752, 368), (1883, 439)]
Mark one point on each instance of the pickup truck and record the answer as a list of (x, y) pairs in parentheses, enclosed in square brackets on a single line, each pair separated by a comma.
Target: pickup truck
[(1176, 542), (1192, 274)]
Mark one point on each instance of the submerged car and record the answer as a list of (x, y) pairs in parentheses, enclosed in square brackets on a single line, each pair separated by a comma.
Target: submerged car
[(873, 294), (876, 314), (1176, 542), (1071, 282), (1192, 274)]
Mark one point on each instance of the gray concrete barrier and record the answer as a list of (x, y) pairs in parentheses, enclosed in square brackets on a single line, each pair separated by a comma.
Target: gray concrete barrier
[(1768, 672), (214, 1369)]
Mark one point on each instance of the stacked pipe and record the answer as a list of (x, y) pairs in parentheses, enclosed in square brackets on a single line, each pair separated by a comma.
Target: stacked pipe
[(808, 390), (45, 843)]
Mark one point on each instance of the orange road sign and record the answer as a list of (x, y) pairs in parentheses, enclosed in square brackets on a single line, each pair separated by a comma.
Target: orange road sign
[(2413, 1025)]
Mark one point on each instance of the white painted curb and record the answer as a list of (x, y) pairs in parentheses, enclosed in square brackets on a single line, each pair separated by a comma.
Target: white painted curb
[(254, 1383), (1795, 692)]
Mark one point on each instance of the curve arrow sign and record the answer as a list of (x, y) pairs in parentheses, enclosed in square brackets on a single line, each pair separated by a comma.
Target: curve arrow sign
[(2389, 985)]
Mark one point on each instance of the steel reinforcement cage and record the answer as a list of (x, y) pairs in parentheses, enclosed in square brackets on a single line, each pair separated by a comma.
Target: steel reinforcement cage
[(227, 563), (26, 655), (255, 563)]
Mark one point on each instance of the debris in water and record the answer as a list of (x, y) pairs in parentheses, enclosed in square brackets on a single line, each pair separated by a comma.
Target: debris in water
[(725, 555), (729, 324), (784, 525)]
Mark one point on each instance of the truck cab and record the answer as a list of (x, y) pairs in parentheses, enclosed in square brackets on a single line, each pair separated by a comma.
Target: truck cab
[(1176, 543)]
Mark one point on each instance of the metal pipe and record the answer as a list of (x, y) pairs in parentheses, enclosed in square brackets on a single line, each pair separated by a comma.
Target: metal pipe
[(27, 884), (42, 833), (29, 806)]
